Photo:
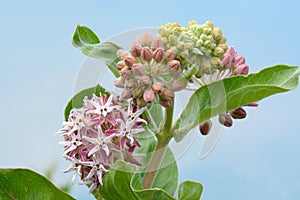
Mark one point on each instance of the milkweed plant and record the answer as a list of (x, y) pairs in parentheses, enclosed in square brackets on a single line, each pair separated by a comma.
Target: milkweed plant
[(116, 142)]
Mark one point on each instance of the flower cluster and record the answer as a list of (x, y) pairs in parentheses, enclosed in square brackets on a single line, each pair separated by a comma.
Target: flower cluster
[(233, 64), (149, 70), (99, 134), (196, 45)]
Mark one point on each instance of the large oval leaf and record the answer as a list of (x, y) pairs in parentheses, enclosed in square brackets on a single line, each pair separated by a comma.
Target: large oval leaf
[(117, 185), (26, 184), (189, 190), (224, 95), (89, 44)]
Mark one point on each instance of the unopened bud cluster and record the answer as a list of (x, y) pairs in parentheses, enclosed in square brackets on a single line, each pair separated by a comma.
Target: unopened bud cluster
[(233, 64), (148, 71), (200, 45)]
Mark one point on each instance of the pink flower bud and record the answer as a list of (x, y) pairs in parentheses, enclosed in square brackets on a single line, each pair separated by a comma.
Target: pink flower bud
[(121, 53), (239, 60), (136, 49), (166, 104), (158, 54), (241, 69), (166, 95), (144, 80), (119, 82), (148, 95), (170, 55), (157, 87), (205, 127), (177, 85), (146, 39), (227, 60), (120, 65), (129, 60), (146, 54), (130, 84), (126, 94), (125, 72), (230, 51), (157, 43), (225, 120), (174, 64), (238, 113), (138, 69)]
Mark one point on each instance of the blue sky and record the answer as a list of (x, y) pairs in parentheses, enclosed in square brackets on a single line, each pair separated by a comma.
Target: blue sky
[(256, 159)]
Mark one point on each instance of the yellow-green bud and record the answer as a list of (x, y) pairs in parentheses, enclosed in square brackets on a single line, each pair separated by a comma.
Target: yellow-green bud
[(207, 31), (172, 39), (203, 37), (218, 52), (217, 33), (209, 24), (192, 23), (222, 40), (200, 42), (223, 46)]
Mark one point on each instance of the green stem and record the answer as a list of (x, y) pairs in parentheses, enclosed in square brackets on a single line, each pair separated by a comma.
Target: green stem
[(163, 139)]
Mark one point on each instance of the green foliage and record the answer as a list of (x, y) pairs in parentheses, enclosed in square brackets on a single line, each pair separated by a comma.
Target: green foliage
[(117, 185), (88, 43), (189, 190), (224, 95), (77, 99), (26, 184)]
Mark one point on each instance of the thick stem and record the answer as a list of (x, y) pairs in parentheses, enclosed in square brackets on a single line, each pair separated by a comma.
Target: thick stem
[(163, 139)]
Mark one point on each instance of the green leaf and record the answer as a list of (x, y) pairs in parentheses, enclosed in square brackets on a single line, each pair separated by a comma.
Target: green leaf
[(117, 185), (189, 190), (89, 44), (224, 95), (26, 184), (83, 35), (77, 100)]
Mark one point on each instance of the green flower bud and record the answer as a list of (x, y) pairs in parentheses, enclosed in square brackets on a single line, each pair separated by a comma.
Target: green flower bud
[(217, 33), (218, 52), (207, 31), (222, 40), (172, 39), (200, 42), (209, 24)]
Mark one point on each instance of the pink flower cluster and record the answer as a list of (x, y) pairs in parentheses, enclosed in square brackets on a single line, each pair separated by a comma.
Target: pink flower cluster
[(99, 134), (233, 64), (148, 71)]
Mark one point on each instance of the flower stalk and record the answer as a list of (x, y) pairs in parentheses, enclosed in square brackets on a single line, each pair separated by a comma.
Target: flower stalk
[(163, 139)]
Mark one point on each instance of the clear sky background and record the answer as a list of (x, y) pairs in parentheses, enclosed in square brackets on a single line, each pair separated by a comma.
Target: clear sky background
[(256, 159)]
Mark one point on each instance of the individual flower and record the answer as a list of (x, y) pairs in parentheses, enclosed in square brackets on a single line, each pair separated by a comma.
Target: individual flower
[(128, 125), (98, 134), (147, 70)]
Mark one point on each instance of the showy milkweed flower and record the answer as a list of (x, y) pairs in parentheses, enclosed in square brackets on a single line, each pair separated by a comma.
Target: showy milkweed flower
[(99, 133)]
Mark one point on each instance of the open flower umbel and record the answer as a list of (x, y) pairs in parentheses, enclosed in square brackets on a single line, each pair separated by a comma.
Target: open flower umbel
[(98, 134)]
